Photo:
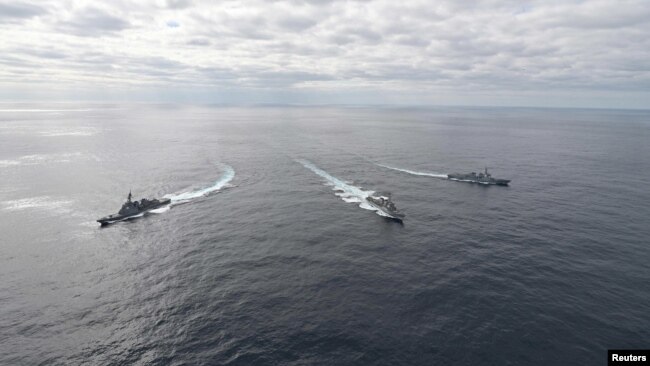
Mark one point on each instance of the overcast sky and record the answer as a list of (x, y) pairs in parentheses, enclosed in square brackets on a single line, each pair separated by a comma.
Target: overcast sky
[(493, 52)]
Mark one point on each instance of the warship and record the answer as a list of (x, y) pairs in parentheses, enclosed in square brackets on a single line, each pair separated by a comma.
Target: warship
[(481, 178), (133, 208), (385, 205)]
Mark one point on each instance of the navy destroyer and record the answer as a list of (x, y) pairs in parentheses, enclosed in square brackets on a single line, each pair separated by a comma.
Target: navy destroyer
[(385, 205), (480, 178), (134, 208)]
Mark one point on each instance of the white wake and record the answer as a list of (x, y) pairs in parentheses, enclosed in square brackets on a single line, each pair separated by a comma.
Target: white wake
[(223, 181), (347, 192), (182, 197), (413, 172)]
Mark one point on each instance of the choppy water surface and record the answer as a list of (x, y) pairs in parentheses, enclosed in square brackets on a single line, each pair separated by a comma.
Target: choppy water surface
[(267, 255)]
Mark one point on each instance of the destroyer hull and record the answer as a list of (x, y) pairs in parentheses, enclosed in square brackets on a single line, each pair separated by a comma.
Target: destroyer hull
[(107, 220), (389, 215), (490, 182)]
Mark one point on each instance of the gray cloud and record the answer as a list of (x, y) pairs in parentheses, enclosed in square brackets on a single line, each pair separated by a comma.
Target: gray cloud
[(364, 34), (17, 62), (42, 53), (178, 4), (412, 40), (296, 24), (375, 47), (93, 22), (285, 78), (199, 42), (19, 10)]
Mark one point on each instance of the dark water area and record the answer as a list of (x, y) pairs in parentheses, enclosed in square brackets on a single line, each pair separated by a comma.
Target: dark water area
[(269, 257)]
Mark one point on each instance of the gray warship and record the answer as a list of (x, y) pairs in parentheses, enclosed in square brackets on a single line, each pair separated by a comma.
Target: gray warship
[(133, 208), (480, 178), (385, 205)]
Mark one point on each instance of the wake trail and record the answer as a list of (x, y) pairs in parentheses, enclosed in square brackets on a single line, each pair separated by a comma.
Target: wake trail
[(223, 181), (228, 173), (347, 192), (413, 172)]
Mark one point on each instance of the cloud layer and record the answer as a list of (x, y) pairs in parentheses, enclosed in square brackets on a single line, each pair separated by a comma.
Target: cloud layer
[(459, 52)]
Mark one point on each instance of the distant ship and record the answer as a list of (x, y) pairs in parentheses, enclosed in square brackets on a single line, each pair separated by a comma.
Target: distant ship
[(385, 205), (481, 178), (133, 208)]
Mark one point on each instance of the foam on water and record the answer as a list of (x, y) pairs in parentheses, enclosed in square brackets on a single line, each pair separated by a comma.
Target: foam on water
[(226, 177), (8, 163), (37, 159), (348, 193), (161, 209), (62, 132), (40, 202), (413, 172)]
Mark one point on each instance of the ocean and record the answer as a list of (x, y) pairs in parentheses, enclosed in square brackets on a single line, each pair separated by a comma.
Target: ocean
[(269, 255)]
